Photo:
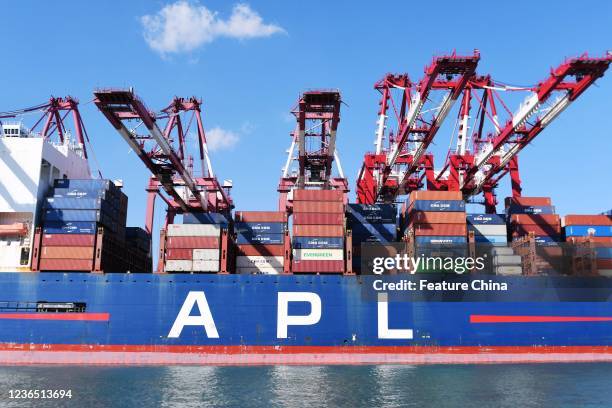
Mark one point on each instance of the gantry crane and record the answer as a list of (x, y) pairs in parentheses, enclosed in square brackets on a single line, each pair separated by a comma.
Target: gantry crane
[(54, 120), (164, 153), (385, 174), (317, 115), (471, 169)]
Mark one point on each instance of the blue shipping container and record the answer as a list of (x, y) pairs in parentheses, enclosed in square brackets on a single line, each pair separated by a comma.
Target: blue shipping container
[(485, 219), (530, 209), (85, 184), (383, 231), (205, 218), (76, 227), (440, 240), (318, 243), (78, 204), (372, 214), (261, 227), (604, 252), (585, 230), (78, 215), (247, 238), (81, 193), (491, 239), (439, 205)]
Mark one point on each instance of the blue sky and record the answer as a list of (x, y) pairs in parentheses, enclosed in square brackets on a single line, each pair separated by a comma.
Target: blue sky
[(250, 77)]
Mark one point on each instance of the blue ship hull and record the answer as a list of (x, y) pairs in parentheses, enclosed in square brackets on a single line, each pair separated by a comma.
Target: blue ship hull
[(129, 319)]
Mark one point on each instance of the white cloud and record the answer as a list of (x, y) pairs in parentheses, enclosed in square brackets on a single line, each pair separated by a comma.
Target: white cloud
[(184, 26), (221, 139)]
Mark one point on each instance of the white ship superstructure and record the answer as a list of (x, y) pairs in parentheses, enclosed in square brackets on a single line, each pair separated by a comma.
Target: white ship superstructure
[(29, 163)]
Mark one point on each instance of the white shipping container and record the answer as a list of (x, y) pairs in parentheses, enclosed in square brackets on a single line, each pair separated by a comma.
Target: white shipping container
[(260, 261), (259, 271), (507, 260), (605, 272), (178, 265), (205, 254), (509, 270), (488, 229), (193, 230), (318, 254), (205, 266), (502, 251)]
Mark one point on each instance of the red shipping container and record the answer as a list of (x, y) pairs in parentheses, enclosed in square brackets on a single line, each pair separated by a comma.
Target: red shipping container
[(66, 264), (435, 195), (185, 254), (68, 239), (192, 242), (440, 230), (604, 264), (261, 216), (529, 201), (435, 217), (261, 250), (318, 219), (549, 251), (538, 230), (326, 207), (317, 266), (318, 195), (539, 219), (318, 231), (67, 252), (588, 220), (603, 240)]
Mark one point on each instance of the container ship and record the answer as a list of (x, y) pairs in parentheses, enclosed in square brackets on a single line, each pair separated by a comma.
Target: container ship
[(320, 279)]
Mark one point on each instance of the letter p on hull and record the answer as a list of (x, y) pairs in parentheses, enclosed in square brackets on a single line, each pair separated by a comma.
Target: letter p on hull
[(284, 320)]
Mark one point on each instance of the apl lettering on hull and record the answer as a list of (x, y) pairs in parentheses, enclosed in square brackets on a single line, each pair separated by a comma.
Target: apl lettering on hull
[(284, 320)]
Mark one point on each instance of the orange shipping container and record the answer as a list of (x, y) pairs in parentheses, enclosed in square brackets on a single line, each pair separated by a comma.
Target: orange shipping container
[(528, 201), (67, 252), (318, 218), (435, 217), (192, 242), (318, 231), (538, 230), (318, 195), (325, 207), (178, 254), (317, 266), (66, 264), (435, 195), (588, 219), (539, 219), (440, 229), (261, 250), (261, 216), (598, 240)]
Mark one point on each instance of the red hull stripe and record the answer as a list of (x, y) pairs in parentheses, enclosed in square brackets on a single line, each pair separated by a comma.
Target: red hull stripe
[(90, 317), (85, 354), (303, 349), (535, 319)]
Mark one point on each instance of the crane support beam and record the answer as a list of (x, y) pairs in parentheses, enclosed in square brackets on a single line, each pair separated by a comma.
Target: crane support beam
[(567, 82)]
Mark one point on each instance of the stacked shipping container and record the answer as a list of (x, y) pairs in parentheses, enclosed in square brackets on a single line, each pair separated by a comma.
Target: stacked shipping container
[(437, 222), (261, 242), (533, 214), (488, 228), (596, 229), (370, 223), (318, 231), (192, 248), (537, 215), (83, 226)]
